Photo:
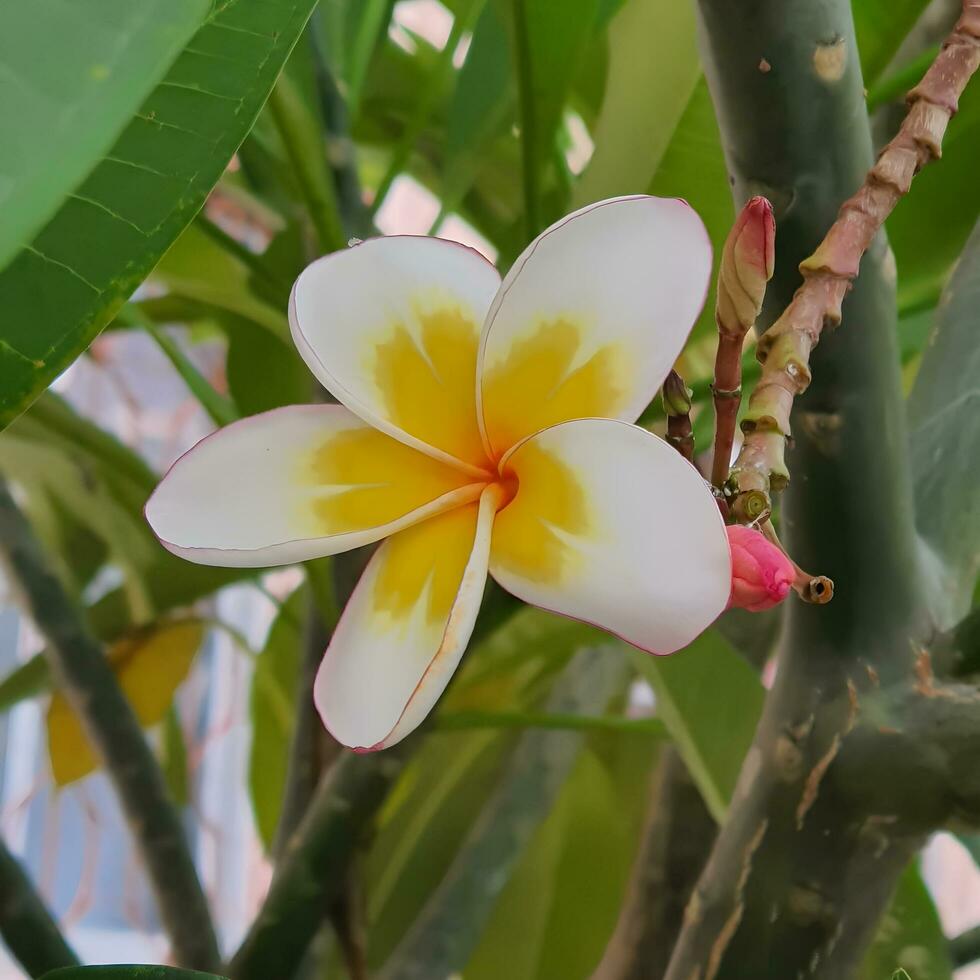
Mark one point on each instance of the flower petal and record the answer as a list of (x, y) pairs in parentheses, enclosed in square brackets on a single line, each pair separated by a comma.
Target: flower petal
[(591, 317), (612, 526), (391, 327), (297, 483), (404, 630)]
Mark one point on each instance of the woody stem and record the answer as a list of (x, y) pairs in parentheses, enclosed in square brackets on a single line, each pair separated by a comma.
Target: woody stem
[(727, 393)]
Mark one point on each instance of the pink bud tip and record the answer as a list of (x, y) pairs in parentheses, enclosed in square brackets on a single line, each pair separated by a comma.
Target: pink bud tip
[(762, 575), (756, 235)]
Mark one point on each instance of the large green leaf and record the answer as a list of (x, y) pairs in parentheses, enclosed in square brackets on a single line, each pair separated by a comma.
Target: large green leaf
[(710, 699), (440, 796), (930, 225), (909, 937), (482, 103), (352, 31), (653, 67), (444, 937), (129, 972), (73, 76), (944, 430), (693, 167), (881, 26), (62, 289), (197, 268), (272, 705), (557, 35), (447, 783), (556, 914)]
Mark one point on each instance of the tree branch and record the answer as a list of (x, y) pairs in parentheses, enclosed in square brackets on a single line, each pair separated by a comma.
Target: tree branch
[(28, 930), (802, 870), (312, 869), (675, 845), (84, 675)]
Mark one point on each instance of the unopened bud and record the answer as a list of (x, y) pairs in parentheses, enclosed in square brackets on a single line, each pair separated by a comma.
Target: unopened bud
[(762, 575), (677, 396), (747, 262)]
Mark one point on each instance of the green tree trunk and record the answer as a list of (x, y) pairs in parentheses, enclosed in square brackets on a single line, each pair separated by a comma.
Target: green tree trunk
[(809, 857)]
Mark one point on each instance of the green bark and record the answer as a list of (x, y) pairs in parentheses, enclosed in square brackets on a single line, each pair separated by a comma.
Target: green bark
[(806, 862), (84, 675), (28, 930), (315, 861)]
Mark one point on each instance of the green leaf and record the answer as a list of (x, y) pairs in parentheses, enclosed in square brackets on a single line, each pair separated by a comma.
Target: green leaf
[(218, 408), (482, 103), (438, 799), (653, 68), (69, 477), (272, 703), (893, 87), (456, 720), (263, 372), (443, 939), (198, 268), (909, 936), (448, 781), (944, 431), (74, 75), (710, 700), (104, 485), (930, 226), (549, 43), (881, 26), (31, 678), (353, 29), (693, 167), (62, 289), (129, 972), (555, 916)]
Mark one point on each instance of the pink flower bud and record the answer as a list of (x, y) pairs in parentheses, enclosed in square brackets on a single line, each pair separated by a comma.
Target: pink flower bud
[(762, 575), (747, 263)]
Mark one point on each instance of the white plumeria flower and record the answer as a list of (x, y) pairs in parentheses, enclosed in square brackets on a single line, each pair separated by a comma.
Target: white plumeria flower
[(537, 475)]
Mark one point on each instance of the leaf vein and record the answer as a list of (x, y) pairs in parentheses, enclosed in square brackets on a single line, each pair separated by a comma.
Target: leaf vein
[(109, 211), (199, 90), (63, 265)]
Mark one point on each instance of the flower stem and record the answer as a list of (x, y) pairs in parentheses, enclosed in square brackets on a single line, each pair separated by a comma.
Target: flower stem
[(677, 406), (727, 395)]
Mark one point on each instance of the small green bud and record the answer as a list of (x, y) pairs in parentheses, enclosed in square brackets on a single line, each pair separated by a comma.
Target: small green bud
[(676, 395)]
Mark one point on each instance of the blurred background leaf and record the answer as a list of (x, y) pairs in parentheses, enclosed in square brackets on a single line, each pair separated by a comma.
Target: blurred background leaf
[(149, 669)]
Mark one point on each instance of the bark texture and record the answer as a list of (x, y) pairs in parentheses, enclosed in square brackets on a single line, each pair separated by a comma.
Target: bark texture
[(853, 762)]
